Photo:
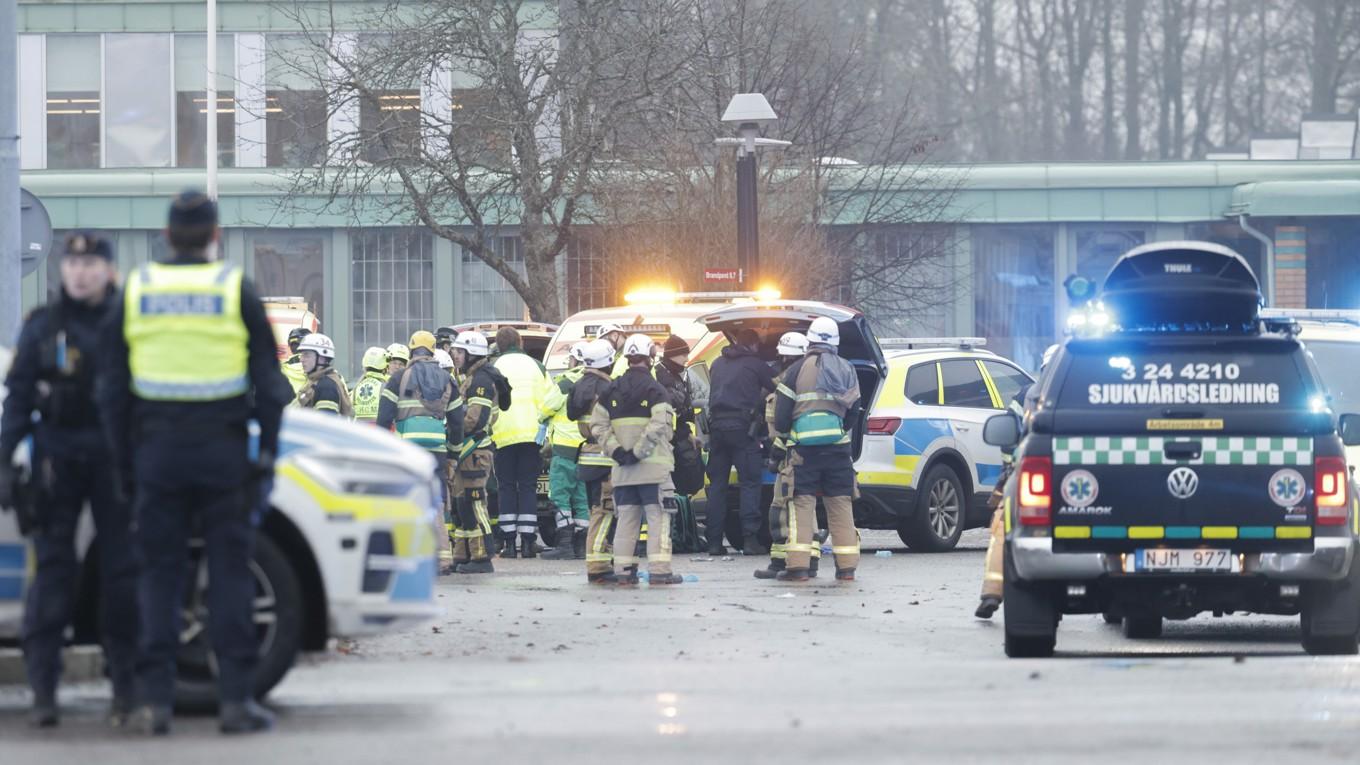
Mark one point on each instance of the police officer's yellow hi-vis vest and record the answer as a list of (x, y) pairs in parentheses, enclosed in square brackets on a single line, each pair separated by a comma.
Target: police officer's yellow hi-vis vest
[(185, 335)]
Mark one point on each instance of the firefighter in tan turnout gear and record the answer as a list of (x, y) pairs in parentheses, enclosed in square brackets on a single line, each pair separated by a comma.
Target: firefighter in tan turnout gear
[(633, 422), (324, 390), (485, 393), (792, 347), (993, 577), (593, 466), (813, 400)]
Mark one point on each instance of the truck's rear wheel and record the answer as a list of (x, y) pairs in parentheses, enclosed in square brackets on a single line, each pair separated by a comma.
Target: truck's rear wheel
[(1031, 621), (1330, 618)]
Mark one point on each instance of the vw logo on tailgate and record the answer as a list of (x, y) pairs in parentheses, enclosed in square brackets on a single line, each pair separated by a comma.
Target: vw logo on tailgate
[(1182, 483)]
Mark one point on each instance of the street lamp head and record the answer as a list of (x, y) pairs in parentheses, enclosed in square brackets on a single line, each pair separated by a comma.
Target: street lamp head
[(749, 108)]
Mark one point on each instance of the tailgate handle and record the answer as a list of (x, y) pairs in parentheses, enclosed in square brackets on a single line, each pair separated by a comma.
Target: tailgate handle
[(1183, 450)]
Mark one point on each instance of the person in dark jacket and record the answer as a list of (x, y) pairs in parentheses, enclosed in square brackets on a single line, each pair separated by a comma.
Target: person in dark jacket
[(188, 361), (52, 375), (670, 372), (739, 382)]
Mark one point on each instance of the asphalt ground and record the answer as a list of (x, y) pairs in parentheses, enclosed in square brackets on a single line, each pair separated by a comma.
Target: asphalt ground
[(533, 665)]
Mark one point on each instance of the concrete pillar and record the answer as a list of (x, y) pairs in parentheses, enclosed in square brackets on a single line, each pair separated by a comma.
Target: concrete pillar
[(1291, 267)]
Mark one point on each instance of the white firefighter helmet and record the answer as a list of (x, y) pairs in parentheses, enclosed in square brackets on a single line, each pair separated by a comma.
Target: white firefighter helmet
[(399, 351), (606, 328), (472, 342), (443, 358), (319, 343), (578, 351), (375, 358), (792, 344), (598, 354), (638, 345), (824, 330)]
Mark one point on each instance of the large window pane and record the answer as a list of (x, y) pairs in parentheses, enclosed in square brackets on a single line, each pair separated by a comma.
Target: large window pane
[(292, 265), (1333, 262), (73, 74), (191, 101), (137, 100), (1013, 290), (389, 120), (486, 294), (295, 103), (1098, 249), (392, 285), (1230, 235)]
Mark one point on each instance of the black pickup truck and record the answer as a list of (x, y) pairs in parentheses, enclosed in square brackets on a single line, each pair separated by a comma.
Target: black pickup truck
[(1181, 458)]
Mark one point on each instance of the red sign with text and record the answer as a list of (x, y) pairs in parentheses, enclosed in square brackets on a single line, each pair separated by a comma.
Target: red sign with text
[(719, 275)]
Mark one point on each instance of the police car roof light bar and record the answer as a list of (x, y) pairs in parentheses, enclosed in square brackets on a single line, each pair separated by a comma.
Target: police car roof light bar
[(963, 343)]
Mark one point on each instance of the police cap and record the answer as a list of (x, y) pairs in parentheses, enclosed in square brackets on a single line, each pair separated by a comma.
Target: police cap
[(87, 243)]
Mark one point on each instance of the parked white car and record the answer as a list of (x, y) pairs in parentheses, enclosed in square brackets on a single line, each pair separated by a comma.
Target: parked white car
[(349, 550)]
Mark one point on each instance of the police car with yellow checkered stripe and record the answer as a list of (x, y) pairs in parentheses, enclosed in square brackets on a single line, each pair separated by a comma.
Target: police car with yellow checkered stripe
[(347, 550), (924, 469), (1181, 457)]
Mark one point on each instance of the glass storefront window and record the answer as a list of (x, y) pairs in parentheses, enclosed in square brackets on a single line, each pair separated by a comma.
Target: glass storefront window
[(137, 117), (295, 103), (191, 101), (73, 103), (1333, 262), (1098, 249), (1013, 290), (486, 294), (292, 264), (392, 284)]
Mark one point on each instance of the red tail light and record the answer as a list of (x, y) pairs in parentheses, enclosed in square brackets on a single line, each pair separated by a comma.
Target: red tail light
[(1329, 490), (882, 426), (1036, 490)]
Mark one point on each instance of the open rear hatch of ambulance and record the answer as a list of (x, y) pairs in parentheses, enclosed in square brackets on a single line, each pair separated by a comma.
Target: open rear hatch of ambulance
[(771, 319)]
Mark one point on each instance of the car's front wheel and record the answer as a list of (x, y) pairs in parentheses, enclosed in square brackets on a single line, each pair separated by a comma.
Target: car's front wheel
[(938, 520), (278, 610)]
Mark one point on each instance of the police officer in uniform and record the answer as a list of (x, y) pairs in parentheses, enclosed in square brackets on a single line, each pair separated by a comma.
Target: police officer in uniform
[(422, 405), (53, 375), (633, 422), (485, 393), (189, 360), (368, 390), (792, 347), (325, 388), (593, 466), (813, 400)]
